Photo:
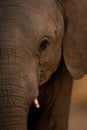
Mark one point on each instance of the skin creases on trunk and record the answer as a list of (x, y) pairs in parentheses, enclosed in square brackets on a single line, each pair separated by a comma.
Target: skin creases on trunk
[(15, 92)]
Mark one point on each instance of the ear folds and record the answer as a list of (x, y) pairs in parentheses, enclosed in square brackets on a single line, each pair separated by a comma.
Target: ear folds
[(75, 41)]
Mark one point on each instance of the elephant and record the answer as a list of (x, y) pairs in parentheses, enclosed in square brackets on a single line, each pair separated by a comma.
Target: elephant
[(43, 48)]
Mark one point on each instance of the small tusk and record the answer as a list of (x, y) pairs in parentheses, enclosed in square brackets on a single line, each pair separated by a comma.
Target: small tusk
[(36, 103)]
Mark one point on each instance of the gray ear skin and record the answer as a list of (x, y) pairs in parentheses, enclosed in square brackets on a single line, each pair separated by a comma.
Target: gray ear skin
[(75, 41)]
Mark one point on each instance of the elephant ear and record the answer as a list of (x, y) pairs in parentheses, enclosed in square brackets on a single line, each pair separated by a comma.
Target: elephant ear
[(75, 41)]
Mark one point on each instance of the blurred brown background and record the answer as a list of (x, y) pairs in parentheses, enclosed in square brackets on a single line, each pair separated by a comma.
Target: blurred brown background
[(78, 110)]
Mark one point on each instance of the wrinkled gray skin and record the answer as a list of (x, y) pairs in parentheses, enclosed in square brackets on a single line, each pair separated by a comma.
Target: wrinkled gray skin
[(38, 38)]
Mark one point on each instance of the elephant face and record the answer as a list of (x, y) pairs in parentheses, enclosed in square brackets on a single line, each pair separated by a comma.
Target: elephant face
[(34, 37), (39, 26)]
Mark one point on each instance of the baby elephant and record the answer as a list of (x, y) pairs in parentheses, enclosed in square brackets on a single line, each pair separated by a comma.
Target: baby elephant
[(43, 47)]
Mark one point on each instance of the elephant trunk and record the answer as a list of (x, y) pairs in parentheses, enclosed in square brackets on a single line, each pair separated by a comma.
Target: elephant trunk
[(17, 91)]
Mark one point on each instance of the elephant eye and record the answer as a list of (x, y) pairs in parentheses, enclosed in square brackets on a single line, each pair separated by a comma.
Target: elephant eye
[(44, 44)]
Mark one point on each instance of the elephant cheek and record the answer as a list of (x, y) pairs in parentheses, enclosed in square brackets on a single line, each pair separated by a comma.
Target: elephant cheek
[(49, 64)]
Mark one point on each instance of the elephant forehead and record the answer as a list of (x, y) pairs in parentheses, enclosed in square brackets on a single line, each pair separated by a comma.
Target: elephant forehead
[(34, 5), (25, 2), (31, 15)]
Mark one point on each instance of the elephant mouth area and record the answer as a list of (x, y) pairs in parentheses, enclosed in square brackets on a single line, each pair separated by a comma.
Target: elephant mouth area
[(32, 116)]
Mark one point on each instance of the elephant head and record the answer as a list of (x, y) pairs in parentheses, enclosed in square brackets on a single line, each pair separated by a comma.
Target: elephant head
[(34, 36)]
